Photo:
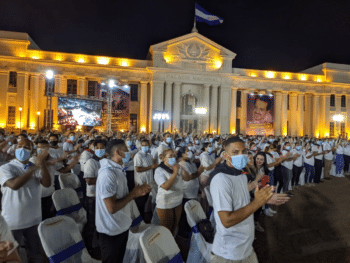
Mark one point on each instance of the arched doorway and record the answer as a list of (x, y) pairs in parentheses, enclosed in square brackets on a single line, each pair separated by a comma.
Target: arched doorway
[(188, 121)]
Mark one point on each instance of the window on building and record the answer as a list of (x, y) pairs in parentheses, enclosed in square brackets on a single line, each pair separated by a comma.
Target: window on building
[(331, 129), (239, 98), (134, 92), (343, 101), (133, 120), (342, 129), (287, 101), (13, 79), (72, 86), (11, 116), (49, 84), (238, 126), (92, 86), (50, 116), (332, 104), (188, 104)]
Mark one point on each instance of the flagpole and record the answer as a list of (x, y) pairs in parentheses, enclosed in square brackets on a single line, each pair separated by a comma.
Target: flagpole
[(194, 30)]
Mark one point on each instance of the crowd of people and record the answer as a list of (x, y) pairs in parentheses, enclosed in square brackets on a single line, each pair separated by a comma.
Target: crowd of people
[(247, 176)]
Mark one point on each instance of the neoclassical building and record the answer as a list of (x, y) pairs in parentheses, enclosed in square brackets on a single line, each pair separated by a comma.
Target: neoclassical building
[(178, 76)]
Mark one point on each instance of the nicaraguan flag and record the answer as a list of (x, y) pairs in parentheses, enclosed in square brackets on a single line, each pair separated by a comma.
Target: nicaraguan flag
[(204, 16)]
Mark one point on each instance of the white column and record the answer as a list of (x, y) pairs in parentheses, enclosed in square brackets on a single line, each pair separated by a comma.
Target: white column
[(278, 113), (300, 119), (284, 113), (328, 114), (225, 114), (243, 112), (315, 114), (4, 80), (293, 114), (168, 104), (214, 109), (143, 106), (157, 95), (177, 106), (233, 116), (206, 105), (322, 116), (82, 86)]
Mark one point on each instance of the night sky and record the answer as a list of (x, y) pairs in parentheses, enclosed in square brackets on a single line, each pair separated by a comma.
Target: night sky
[(276, 35)]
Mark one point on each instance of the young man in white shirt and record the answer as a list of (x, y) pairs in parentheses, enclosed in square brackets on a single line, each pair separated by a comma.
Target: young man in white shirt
[(144, 166), (166, 144), (233, 210), (21, 183), (112, 198)]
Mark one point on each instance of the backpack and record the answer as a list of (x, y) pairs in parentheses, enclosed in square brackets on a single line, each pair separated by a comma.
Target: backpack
[(207, 230)]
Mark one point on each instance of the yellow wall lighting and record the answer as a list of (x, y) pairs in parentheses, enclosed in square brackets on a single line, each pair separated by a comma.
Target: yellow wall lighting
[(35, 57), (124, 63), (254, 75), (287, 76), (143, 129), (81, 60), (270, 74), (303, 77), (103, 60), (319, 79), (217, 63)]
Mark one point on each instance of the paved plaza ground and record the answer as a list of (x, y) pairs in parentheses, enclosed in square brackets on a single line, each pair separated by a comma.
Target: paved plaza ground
[(314, 226)]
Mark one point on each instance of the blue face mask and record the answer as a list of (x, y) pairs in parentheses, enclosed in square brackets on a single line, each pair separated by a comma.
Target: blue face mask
[(128, 143), (239, 161), (34, 147), (100, 153), (169, 140), (126, 159), (288, 148), (145, 149), (298, 148), (157, 142), (22, 154), (10, 143), (72, 138), (210, 149), (197, 142), (271, 140), (172, 161), (190, 148), (211, 139)]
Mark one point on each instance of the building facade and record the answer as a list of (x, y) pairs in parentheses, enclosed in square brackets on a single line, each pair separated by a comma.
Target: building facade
[(178, 76)]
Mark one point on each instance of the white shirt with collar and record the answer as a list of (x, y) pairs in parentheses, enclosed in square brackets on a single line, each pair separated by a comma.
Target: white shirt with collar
[(91, 169), (309, 161), (162, 146), (21, 208), (111, 180), (207, 160), (327, 147), (143, 159), (317, 149), (287, 164), (84, 157), (190, 188), (129, 166), (299, 161), (340, 150), (154, 152)]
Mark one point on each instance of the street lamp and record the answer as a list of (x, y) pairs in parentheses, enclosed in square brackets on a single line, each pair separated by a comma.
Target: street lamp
[(38, 113), (49, 93), (20, 119), (161, 116)]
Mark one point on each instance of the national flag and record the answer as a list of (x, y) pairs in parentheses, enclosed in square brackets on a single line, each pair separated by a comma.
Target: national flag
[(203, 16)]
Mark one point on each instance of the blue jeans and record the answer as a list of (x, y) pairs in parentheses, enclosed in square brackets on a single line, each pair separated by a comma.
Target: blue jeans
[(309, 173)]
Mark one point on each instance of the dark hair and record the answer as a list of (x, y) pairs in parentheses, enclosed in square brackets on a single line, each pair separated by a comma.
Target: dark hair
[(205, 145), (53, 135), (266, 170), (116, 143), (91, 142), (144, 140), (153, 141), (266, 99), (23, 135), (180, 152), (99, 141), (71, 132), (43, 142), (231, 140)]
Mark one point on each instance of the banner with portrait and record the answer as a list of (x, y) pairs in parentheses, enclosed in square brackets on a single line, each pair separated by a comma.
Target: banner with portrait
[(260, 114)]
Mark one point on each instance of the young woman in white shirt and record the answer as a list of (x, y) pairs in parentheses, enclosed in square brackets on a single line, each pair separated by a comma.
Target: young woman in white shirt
[(287, 166), (297, 164), (170, 193), (309, 164), (339, 158)]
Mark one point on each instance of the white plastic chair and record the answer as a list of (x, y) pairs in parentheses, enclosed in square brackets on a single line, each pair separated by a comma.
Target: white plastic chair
[(210, 202), (71, 181), (67, 203), (62, 241), (200, 250), (159, 245), (134, 253)]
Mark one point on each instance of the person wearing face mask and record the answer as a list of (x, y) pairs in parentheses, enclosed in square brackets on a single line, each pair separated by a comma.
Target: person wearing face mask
[(86, 155), (129, 162), (166, 144), (339, 158), (233, 208), (317, 148), (297, 165), (208, 161), (113, 219), (154, 148), (21, 183), (197, 146), (170, 193), (144, 166), (91, 169), (328, 159), (287, 166), (12, 149), (309, 164)]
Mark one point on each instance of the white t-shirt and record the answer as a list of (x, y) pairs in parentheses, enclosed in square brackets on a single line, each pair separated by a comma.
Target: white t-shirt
[(327, 147), (230, 193), (310, 161), (91, 168), (6, 234), (154, 152), (287, 164), (21, 208), (190, 188), (317, 149), (129, 166), (299, 161), (56, 153), (340, 150), (142, 159), (206, 161), (162, 146), (171, 198), (270, 160), (111, 180), (84, 157)]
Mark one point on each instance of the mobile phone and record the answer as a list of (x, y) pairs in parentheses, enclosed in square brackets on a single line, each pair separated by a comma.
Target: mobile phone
[(264, 180)]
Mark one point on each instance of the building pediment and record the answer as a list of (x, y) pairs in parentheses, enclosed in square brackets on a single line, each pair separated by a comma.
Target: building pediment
[(192, 52)]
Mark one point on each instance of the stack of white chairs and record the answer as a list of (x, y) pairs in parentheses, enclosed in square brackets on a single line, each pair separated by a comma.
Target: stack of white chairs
[(210, 202), (71, 181), (200, 250), (62, 241), (159, 246), (67, 203), (134, 253)]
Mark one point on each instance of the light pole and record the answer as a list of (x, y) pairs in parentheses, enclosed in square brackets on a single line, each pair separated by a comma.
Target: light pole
[(49, 93), (38, 114), (161, 116), (20, 119)]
